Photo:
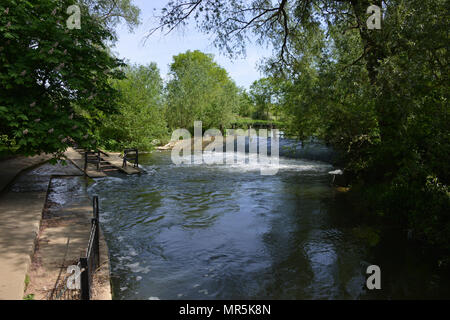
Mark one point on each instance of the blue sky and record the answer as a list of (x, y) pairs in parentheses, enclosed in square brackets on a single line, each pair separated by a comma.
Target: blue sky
[(161, 48)]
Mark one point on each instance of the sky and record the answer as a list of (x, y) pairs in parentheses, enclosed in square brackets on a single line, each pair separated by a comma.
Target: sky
[(161, 48)]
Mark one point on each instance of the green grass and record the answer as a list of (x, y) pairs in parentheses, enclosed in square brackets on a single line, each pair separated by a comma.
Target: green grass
[(29, 297), (27, 281)]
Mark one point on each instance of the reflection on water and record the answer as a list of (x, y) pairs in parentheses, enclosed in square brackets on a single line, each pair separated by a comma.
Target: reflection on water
[(226, 232)]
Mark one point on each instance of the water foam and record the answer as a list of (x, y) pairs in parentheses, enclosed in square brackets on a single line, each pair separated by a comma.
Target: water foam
[(245, 162)]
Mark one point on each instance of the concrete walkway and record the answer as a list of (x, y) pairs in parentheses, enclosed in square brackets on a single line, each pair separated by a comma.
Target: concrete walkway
[(62, 240), (21, 205), (20, 215), (22, 201)]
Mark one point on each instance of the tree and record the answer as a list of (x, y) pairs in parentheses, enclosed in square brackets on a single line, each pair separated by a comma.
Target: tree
[(54, 81), (199, 89), (245, 107), (261, 92), (283, 22), (140, 120), (270, 21), (390, 123), (111, 12)]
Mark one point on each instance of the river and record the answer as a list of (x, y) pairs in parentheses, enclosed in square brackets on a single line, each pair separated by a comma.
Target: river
[(228, 232)]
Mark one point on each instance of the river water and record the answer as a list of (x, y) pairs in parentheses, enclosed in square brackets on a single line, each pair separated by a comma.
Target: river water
[(228, 232)]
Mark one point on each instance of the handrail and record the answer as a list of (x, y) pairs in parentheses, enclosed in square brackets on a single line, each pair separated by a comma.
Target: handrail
[(126, 157), (91, 261), (96, 161)]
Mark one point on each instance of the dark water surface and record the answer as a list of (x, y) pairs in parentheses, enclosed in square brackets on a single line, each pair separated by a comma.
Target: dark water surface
[(227, 232)]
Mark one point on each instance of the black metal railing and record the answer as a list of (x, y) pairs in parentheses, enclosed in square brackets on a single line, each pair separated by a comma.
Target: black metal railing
[(92, 157), (90, 263), (131, 155), (61, 291)]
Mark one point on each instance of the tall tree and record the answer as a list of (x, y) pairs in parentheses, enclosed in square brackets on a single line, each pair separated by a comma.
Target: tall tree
[(199, 89), (53, 80), (140, 118), (245, 107), (261, 92)]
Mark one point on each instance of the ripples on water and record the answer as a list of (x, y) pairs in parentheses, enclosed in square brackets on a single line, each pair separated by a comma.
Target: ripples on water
[(227, 232)]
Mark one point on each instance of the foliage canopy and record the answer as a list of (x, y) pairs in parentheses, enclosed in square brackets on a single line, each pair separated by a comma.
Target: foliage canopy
[(54, 82), (199, 89)]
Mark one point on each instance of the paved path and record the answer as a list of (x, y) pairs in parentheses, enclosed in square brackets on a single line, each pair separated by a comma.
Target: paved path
[(21, 205), (19, 223), (24, 184), (63, 239)]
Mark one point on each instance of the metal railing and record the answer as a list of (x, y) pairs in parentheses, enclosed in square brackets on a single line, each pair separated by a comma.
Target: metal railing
[(92, 157), (91, 261), (61, 291), (131, 155)]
